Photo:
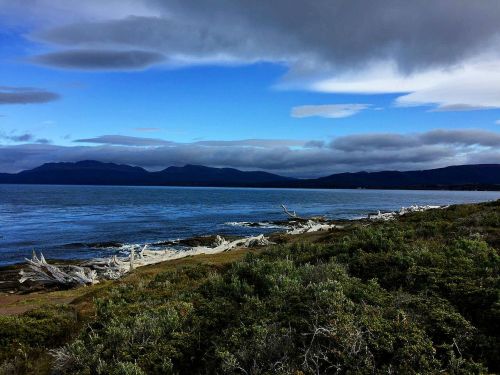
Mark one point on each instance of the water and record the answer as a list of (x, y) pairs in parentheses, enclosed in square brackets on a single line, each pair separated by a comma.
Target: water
[(63, 220)]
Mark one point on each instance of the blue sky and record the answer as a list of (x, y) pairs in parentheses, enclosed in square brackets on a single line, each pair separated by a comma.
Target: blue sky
[(59, 85)]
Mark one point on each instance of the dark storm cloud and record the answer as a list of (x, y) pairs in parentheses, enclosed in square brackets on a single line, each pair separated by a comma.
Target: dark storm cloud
[(25, 95), (462, 137), (348, 153), (380, 141), (339, 34), (373, 141), (94, 59)]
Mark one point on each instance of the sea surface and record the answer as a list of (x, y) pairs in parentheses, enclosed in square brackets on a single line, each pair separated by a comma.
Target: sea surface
[(64, 221)]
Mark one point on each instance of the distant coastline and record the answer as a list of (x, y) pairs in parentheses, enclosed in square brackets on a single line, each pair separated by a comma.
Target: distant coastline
[(482, 177)]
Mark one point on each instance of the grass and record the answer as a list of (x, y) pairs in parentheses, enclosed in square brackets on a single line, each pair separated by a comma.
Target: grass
[(416, 295)]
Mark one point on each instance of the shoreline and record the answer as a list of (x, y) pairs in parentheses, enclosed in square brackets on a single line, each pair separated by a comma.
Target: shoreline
[(117, 267), (471, 187)]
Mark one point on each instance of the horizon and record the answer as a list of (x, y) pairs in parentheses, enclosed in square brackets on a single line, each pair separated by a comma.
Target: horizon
[(254, 170), (275, 87)]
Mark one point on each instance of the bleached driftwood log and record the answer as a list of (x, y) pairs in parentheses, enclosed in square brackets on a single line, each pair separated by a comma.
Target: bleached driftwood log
[(300, 225), (44, 273), (385, 216), (311, 226), (115, 267), (292, 214)]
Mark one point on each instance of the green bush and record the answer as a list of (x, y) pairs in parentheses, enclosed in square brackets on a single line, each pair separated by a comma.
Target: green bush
[(24, 339)]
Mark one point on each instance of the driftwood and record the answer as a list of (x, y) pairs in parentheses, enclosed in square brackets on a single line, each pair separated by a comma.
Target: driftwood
[(292, 214), (311, 226), (386, 216), (113, 268), (44, 273), (298, 225)]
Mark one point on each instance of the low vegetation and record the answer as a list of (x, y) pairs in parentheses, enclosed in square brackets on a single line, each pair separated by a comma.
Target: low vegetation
[(416, 295)]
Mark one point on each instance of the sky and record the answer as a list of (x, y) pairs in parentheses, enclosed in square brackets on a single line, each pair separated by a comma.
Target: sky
[(300, 88)]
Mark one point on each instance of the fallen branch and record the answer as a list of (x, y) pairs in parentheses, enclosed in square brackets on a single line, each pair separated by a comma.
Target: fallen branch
[(311, 226), (385, 216), (113, 268), (44, 273), (292, 214), (301, 225)]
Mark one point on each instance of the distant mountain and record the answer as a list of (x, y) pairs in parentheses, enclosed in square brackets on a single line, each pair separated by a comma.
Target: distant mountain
[(91, 172), (480, 176), (86, 172), (455, 176), (198, 175)]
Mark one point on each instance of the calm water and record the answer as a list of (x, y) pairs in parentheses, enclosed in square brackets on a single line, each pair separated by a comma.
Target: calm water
[(62, 220)]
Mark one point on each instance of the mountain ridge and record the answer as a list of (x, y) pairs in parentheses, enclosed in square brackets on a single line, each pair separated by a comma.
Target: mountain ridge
[(91, 172)]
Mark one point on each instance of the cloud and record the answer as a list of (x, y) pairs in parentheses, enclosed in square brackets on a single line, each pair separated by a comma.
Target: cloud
[(124, 141), (23, 138), (357, 46), (375, 151), (497, 122), (460, 108), (142, 141), (100, 59), (391, 141), (414, 35), (466, 137), (473, 86), (328, 110), (314, 144), (373, 141), (392, 46), (470, 86), (44, 141), (262, 143), (25, 95)]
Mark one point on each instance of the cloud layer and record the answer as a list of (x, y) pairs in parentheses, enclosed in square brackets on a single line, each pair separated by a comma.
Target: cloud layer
[(414, 34), (25, 95), (442, 53), (100, 60), (24, 137), (377, 151), (328, 110)]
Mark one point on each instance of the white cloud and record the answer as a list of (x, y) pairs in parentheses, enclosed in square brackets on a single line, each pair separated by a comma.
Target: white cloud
[(471, 86), (328, 110), (497, 122)]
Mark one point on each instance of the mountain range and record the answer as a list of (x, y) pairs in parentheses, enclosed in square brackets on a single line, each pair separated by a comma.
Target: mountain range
[(89, 172)]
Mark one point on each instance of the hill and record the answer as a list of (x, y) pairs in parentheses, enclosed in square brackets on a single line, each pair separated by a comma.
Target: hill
[(466, 177), (460, 175), (91, 172)]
